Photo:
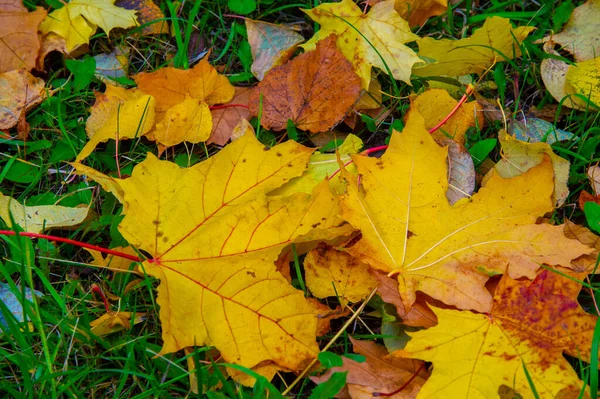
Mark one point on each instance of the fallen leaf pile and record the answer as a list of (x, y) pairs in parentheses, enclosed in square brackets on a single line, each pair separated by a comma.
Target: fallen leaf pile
[(476, 281)]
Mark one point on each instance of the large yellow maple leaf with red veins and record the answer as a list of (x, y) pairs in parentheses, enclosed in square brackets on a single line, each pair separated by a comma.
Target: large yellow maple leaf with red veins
[(214, 234), (530, 326), (449, 251)]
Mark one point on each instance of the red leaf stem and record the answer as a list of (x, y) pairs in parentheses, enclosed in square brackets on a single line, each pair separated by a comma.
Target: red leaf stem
[(99, 291), (72, 242)]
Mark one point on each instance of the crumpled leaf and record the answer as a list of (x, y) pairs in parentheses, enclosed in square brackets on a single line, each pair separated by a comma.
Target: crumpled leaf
[(580, 35), (13, 302), (417, 12), (321, 166), (181, 96), (449, 252), (21, 91), (379, 373), (147, 13), (385, 31), (118, 114), (536, 130), (36, 219), (271, 45), (473, 54), (435, 104), (111, 66), (461, 172), (531, 324), (314, 90), (225, 119), (330, 272), (520, 156), (19, 41), (113, 322), (214, 236), (593, 174)]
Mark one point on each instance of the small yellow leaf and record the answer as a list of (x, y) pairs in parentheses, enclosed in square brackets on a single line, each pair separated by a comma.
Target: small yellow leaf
[(129, 114), (102, 13), (36, 219), (190, 120), (519, 156), (435, 104), (330, 272), (77, 30), (473, 54), (114, 322), (112, 262)]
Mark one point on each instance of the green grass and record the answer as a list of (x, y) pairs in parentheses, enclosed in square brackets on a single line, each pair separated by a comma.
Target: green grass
[(55, 355)]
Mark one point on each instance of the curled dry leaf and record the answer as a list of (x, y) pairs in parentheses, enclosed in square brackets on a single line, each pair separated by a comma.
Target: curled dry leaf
[(271, 45), (417, 12), (19, 41), (593, 174), (380, 372), (519, 156), (213, 237), (36, 219), (314, 90), (461, 172), (449, 252), (532, 323), (20, 92), (435, 104), (380, 43), (473, 54), (330, 272), (113, 322)]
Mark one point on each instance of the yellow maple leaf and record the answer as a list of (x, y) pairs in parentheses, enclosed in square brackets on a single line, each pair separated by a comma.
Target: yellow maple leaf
[(214, 236), (380, 42), (35, 219), (78, 19), (330, 272), (182, 100), (449, 252), (118, 114), (489, 44), (435, 104), (531, 324)]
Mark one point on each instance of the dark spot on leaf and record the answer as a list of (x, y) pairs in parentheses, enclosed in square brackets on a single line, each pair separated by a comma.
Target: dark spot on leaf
[(248, 272), (314, 226), (279, 154), (266, 148), (409, 234), (156, 222), (244, 160)]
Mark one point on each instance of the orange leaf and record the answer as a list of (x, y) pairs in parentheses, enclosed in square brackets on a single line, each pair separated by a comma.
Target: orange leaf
[(148, 13), (417, 12), (380, 372), (225, 119), (20, 92), (531, 325), (19, 41), (314, 90)]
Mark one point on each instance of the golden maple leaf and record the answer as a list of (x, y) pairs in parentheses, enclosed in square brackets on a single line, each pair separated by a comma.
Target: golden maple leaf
[(449, 252), (380, 42), (530, 325), (78, 19), (492, 42), (214, 236)]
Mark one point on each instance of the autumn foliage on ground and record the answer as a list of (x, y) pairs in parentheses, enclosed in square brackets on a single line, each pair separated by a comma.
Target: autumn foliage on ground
[(341, 190)]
